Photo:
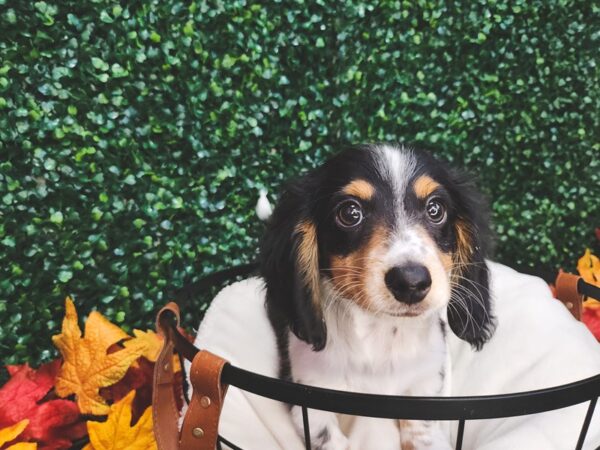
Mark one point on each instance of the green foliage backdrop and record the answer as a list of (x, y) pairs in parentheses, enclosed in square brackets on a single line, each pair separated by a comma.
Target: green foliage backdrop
[(134, 135)]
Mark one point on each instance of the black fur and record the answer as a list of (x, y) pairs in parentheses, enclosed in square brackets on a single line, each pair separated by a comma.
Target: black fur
[(472, 320), (289, 302)]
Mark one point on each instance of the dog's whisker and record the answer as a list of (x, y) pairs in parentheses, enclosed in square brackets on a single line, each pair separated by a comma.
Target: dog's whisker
[(477, 298)]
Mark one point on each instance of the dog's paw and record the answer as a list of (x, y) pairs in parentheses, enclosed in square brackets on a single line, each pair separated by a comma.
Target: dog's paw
[(332, 439), (422, 435), (435, 444)]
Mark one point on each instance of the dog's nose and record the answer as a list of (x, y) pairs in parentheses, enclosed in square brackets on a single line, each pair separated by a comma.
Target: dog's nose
[(409, 284)]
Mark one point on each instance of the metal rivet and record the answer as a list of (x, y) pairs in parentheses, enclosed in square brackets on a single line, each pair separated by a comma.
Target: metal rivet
[(569, 305), (205, 402), (198, 432)]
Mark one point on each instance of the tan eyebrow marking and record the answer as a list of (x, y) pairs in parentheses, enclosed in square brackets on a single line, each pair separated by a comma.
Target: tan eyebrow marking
[(359, 188), (425, 185)]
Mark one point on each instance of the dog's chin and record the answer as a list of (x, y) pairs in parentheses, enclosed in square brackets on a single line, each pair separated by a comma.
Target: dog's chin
[(406, 313), (418, 310)]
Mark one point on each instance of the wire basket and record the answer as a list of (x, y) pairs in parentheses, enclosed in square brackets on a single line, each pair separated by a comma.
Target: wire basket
[(461, 409)]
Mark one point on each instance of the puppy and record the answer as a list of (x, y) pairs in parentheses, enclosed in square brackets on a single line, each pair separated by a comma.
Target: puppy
[(367, 260)]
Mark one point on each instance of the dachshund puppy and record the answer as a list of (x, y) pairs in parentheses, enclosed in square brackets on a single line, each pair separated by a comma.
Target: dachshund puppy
[(367, 260)]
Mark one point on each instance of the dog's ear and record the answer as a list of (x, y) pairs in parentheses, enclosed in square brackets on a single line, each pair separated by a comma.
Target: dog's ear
[(290, 267), (470, 309)]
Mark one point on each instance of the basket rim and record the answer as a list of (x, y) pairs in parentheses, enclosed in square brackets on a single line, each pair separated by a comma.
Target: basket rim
[(414, 407), (390, 406)]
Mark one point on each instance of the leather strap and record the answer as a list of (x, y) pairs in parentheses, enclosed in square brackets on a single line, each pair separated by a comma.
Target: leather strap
[(201, 423), (164, 408), (568, 294)]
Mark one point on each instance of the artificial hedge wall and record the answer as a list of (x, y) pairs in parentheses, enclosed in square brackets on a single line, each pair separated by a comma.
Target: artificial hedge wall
[(134, 136)]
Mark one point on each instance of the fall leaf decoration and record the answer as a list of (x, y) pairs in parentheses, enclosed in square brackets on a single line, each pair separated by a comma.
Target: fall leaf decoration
[(104, 366), (9, 434), (87, 364), (591, 318), (52, 422), (152, 344), (139, 378), (118, 432), (588, 267), (149, 340)]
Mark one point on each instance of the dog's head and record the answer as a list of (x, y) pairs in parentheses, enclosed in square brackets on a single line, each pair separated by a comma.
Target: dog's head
[(388, 228)]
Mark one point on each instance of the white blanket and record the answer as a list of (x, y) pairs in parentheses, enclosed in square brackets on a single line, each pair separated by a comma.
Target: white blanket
[(537, 344)]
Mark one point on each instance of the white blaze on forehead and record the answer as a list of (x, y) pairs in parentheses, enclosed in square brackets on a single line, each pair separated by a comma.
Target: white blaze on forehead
[(396, 166)]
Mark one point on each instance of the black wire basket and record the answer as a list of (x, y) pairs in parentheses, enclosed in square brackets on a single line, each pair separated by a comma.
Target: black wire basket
[(461, 409)]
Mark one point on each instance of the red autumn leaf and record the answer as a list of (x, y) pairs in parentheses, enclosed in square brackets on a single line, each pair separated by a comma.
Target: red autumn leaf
[(56, 424), (597, 231), (53, 423), (139, 378), (591, 318), (24, 389)]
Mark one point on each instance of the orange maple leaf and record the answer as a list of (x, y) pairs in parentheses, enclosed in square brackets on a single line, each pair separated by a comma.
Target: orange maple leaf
[(588, 267), (87, 366), (11, 433), (151, 342), (118, 433)]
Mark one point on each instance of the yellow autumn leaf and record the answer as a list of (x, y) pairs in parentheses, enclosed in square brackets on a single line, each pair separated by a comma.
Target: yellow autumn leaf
[(588, 267), (11, 433), (23, 446), (117, 433), (151, 342), (87, 366)]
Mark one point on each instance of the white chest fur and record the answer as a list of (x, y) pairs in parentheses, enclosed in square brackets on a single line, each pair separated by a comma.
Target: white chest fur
[(376, 354)]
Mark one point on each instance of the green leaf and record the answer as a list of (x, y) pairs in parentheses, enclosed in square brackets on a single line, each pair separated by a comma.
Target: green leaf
[(155, 37), (99, 63), (118, 71), (65, 276), (228, 61), (188, 28), (56, 217)]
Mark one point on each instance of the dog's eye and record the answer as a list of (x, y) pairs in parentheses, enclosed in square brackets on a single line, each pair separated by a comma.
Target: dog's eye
[(349, 214), (436, 211)]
